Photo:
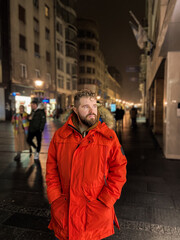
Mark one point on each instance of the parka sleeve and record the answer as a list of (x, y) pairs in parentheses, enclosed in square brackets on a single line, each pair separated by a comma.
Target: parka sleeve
[(52, 175), (116, 177)]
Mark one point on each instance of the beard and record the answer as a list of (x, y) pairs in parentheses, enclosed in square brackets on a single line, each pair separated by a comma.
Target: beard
[(88, 122)]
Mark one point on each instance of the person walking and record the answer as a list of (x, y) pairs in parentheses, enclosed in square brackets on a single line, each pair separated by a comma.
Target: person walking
[(133, 114), (37, 120), (119, 114), (21, 124), (85, 173)]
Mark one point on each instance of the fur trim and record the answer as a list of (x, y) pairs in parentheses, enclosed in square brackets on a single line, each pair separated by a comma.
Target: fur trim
[(105, 115)]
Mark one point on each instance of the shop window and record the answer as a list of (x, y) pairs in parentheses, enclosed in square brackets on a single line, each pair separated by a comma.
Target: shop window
[(22, 42), (23, 69), (22, 14)]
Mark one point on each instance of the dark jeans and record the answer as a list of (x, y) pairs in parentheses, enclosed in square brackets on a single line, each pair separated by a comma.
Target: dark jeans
[(38, 136)]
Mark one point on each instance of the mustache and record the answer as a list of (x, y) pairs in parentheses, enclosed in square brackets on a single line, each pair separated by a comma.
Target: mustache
[(91, 114)]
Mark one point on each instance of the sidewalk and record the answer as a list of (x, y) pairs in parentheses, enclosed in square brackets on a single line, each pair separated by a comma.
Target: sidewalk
[(149, 208)]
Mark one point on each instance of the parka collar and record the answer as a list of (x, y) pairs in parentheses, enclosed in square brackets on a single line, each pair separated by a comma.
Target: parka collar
[(69, 127)]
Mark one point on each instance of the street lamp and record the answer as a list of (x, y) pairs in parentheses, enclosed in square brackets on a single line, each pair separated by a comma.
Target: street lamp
[(38, 91), (38, 83)]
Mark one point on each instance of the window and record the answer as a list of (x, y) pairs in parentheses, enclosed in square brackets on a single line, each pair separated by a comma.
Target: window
[(74, 85), (68, 70), (88, 70), (22, 14), (82, 69), (59, 46), (89, 58), (60, 64), (59, 28), (23, 70), (46, 9), (82, 58), (48, 78), (37, 73), (47, 56), (60, 81), (68, 84), (74, 69), (36, 50), (47, 33), (36, 3), (82, 45), (36, 25), (22, 42)]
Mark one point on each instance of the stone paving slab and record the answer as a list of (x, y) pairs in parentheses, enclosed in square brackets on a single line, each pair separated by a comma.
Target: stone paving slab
[(147, 199), (170, 217)]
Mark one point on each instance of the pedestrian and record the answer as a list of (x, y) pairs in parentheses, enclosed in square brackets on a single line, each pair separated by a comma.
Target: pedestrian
[(133, 114), (85, 173), (21, 124), (119, 114), (37, 120)]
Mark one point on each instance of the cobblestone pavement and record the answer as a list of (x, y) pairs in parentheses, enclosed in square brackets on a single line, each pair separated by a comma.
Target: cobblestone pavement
[(149, 207)]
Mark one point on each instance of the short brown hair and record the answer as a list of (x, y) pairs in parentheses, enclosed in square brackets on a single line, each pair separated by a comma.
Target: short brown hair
[(83, 93)]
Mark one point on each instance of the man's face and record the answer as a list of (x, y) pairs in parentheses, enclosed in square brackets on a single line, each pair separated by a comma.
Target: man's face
[(33, 106), (87, 111)]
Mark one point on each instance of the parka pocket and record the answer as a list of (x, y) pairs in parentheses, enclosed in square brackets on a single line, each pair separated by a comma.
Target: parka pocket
[(98, 215), (59, 211)]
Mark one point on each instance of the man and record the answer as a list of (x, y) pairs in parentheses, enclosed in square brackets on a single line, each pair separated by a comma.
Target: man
[(37, 120), (85, 173), (133, 114), (119, 115)]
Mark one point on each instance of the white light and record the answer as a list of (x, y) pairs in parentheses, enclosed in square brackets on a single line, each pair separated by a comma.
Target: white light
[(98, 97), (38, 83)]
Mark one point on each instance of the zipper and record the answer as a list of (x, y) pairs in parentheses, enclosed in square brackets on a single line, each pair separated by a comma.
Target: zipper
[(74, 129)]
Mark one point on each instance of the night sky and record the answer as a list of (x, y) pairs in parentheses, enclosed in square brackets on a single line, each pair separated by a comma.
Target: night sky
[(117, 41)]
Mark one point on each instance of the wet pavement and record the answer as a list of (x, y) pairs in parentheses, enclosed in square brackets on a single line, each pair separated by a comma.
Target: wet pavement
[(149, 207)]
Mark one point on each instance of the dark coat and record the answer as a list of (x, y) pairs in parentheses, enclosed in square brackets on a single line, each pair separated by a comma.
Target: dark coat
[(38, 120)]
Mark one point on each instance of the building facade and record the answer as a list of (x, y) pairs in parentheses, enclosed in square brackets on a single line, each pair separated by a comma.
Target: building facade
[(32, 52), (66, 52), (93, 72), (163, 71)]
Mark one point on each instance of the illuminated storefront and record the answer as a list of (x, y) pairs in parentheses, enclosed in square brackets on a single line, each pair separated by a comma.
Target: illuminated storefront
[(23, 100)]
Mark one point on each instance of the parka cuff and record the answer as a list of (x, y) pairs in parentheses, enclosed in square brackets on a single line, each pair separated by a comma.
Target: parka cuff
[(106, 198), (53, 194)]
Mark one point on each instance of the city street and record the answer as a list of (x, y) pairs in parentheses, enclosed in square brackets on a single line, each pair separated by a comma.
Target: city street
[(149, 207)]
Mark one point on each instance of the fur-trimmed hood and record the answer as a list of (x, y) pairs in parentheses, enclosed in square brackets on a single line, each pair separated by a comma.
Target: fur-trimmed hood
[(105, 115)]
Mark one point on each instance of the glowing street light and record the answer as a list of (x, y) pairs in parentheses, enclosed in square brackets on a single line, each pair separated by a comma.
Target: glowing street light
[(38, 83)]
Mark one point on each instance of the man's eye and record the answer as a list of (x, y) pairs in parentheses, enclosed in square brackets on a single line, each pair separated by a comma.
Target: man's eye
[(85, 107)]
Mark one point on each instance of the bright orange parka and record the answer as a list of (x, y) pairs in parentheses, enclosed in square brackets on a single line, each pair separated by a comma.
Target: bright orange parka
[(84, 176)]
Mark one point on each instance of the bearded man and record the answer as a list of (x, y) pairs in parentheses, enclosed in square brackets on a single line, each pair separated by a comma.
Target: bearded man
[(85, 173)]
